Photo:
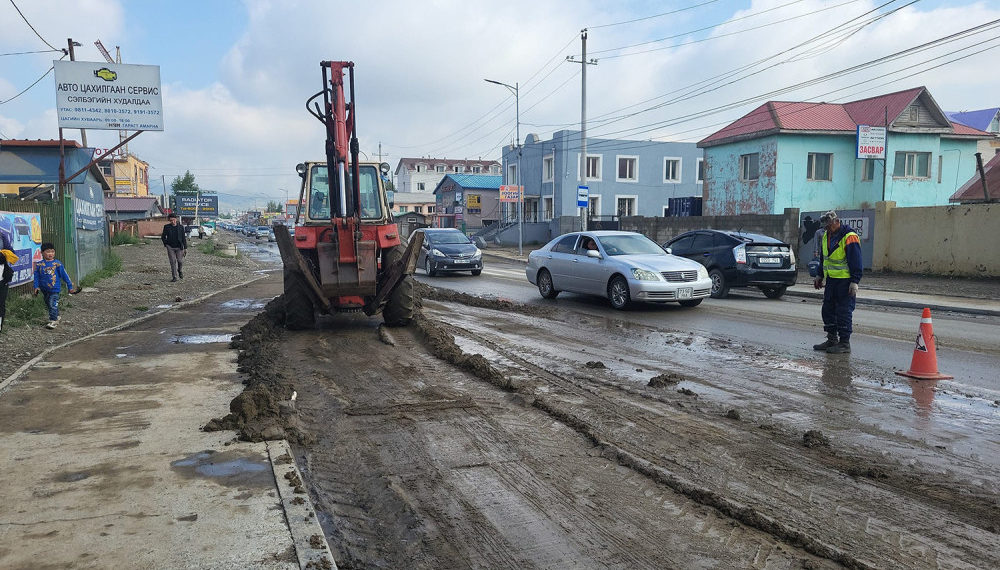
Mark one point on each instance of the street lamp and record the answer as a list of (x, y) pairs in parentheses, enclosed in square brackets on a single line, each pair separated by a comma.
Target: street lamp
[(520, 194)]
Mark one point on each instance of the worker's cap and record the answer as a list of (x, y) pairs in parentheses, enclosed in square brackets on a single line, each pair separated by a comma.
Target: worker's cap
[(828, 217)]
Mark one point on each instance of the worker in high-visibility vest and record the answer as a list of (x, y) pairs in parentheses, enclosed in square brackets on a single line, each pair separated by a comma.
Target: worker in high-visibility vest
[(841, 266)]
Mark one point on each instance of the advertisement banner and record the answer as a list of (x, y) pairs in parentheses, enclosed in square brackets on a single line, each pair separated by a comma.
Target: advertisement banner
[(871, 142), (111, 96), (89, 206), (207, 206), (511, 193), (23, 231)]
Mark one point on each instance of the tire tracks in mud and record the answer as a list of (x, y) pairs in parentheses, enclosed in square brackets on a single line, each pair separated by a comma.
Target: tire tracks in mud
[(812, 515)]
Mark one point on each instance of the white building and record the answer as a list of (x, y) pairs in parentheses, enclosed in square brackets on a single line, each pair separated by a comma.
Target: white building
[(424, 174)]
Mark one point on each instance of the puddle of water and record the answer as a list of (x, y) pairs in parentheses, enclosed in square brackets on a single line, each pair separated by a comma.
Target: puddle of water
[(201, 338), (226, 468), (121, 355), (167, 306), (243, 304)]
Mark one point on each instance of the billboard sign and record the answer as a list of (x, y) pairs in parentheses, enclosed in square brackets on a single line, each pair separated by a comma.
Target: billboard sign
[(871, 142), (88, 203), (109, 96), (189, 206), (510, 193), (22, 233)]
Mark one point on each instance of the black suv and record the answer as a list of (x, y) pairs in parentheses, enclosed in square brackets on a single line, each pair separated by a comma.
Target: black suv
[(736, 259), (448, 250)]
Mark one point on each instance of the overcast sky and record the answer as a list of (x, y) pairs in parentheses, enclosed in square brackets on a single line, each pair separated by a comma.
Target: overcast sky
[(236, 74)]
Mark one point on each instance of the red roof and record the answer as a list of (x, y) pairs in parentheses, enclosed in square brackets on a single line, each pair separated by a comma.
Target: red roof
[(38, 143), (972, 191), (788, 116)]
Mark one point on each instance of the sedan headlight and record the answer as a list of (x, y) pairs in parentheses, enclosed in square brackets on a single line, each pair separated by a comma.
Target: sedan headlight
[(702, 272), (645, 274), (437, 252), (478, 254)]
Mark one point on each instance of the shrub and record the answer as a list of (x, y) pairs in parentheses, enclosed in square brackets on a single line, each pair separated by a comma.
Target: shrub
[(123, 238)]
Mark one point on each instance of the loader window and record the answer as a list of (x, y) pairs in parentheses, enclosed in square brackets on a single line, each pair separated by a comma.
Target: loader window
[(319, 197), (371, 205)]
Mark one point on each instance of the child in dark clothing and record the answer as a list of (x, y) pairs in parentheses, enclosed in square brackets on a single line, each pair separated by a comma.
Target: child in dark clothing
[(48, 276)]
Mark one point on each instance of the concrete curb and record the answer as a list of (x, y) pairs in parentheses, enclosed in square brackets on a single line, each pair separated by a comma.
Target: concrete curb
[(311, 547), (904, 304), (861, 300), (40, 356)]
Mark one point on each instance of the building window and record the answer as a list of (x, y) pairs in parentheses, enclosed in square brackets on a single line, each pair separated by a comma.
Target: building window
[(403, 209), (818, 166), (420, 187), (626, 169), (458, 168), (477, 169), (512, 174), (940, 166), (420, 168), (912, 165), (418, 209), (868, 170), (750, 166), (548, 168), (701, 170), (439, 168), (430, 209), (672, 169), (625, 206), (593, 167), (666, 211), (594, 206), (495, 169), (547, 208)]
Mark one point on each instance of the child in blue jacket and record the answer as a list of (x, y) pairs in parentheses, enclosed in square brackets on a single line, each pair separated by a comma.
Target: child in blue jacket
[(48, 276)]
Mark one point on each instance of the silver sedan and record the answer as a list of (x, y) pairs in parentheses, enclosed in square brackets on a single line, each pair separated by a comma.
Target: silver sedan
[(620, 266)]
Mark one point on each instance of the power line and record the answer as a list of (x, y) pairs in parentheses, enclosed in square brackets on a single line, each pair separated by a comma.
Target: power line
[(29, 52), (653, 16), (30, 86), (32, 27)]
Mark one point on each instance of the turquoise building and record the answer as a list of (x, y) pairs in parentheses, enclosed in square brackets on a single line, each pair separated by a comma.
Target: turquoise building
[(804, 155)]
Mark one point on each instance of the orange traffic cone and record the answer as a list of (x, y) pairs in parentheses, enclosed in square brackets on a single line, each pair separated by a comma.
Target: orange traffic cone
[(924, 365)]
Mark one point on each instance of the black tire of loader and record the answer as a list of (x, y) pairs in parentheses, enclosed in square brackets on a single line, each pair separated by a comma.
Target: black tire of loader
[(299, 311), (399, 308)]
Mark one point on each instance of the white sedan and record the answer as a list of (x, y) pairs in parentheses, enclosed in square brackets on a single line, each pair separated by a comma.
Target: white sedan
[(621, 266)]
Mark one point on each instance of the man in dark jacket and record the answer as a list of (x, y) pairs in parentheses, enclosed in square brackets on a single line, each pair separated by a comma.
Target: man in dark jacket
[(841, 266), (176, 243)]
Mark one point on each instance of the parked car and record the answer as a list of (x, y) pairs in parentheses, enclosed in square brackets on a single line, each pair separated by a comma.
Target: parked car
[(624, 267), (193, 231), (207, 231), (448, 250), (737, 259), (261, 232)]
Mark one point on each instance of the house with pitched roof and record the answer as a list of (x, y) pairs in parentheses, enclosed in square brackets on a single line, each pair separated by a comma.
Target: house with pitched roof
[(424, 174), (793, 154), (987, 120), (981, 188), (469, 202)]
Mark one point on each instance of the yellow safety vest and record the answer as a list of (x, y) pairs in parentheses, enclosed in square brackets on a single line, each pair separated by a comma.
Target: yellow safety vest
[(835, 262)]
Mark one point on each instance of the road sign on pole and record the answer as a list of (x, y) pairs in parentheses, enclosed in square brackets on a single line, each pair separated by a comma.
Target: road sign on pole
[(582, 196)]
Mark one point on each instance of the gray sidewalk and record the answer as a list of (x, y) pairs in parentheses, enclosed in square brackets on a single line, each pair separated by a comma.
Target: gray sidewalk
[(977, 296), (108, 466)]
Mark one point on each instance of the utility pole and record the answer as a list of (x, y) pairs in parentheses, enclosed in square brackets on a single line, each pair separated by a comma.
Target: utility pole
[(72, 57), (583, 123), (520, 189)]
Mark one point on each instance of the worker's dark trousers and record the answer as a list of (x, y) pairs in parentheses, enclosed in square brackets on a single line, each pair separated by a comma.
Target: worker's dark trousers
[(3, 302), (838, 308)]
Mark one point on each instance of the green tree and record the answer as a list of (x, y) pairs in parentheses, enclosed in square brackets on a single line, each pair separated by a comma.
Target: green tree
[(273, 206), (184, 185)]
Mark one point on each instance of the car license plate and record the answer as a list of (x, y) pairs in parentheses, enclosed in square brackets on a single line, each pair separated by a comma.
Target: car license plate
[(685, 292), (770, 260)]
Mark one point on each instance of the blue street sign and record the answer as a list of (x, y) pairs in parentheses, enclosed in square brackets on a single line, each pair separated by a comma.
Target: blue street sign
[(582, 196)]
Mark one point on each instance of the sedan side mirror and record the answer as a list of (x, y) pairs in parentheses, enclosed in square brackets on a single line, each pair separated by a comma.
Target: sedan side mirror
[(594, 253)]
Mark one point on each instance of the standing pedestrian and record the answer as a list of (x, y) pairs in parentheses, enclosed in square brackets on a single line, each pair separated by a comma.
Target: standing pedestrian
[(7, 260), (49, 275), (841, 266), (176, 243)]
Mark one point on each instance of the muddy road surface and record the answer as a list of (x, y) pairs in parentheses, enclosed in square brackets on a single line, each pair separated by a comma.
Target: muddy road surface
[(499, 435)]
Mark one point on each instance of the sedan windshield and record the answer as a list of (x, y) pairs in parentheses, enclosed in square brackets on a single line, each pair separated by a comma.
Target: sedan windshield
[(448, 237), (630, 245)]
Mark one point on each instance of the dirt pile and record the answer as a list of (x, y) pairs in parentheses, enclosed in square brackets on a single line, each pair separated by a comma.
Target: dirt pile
[(265, 410)]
